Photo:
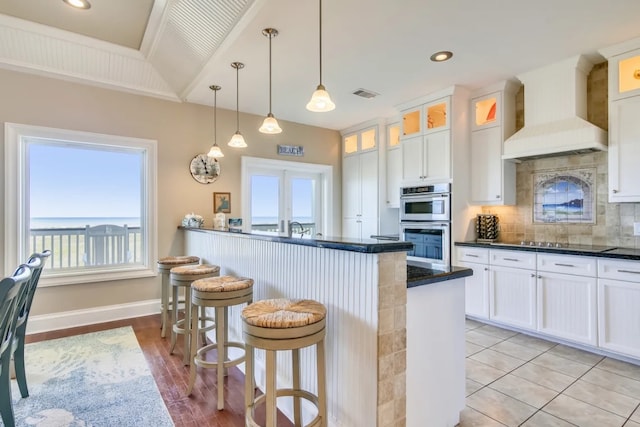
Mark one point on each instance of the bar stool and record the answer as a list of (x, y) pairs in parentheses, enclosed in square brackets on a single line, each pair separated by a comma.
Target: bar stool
[(164, 266), (183, 277), (221, 293), (283, 324)]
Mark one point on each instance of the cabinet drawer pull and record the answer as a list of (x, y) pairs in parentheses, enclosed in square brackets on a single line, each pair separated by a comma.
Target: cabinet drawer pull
[(564, 265), (629, 271), (511, 259), (472, 255)]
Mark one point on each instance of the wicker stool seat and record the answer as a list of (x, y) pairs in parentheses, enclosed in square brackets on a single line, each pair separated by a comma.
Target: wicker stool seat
[(164, 267), (182, 277), (221, 293), (282, 324)]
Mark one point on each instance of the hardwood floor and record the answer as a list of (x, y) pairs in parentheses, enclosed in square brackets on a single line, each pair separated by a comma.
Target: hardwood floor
[(172, 377)]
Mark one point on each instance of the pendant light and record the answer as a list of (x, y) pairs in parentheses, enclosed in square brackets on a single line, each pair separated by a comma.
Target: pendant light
[(215, 151), (237, 140), (270, 124), (320, 100)]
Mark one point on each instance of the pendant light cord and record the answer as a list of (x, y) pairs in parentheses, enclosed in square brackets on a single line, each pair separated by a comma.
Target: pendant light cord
[(320, 32), (215, 126), (237, 98), (270, 37)]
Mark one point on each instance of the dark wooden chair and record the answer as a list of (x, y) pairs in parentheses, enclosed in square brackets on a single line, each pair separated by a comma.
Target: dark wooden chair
[(36, 262), (106, 244), (11, 293)]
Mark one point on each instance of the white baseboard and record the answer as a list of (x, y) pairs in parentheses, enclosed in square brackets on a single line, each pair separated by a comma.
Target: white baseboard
[(74, 318)]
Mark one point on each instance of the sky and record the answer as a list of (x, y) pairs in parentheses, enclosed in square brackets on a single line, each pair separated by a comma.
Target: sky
[(76, 182)]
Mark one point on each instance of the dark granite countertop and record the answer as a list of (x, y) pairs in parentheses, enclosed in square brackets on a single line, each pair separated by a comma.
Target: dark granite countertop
[(422, 274), (582, 250), (339, 243)]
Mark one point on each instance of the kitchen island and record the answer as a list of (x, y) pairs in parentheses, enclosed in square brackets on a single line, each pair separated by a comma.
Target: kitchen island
[(395, 355)]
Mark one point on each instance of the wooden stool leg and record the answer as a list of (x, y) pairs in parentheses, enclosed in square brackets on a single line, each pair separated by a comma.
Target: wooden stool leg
[(226, 338), (203, 325), (174, 318), (270, 390), (187, 325), (322, 383), (295, 366), (194, 347), (220, 340), (165, 304), (249, 383)]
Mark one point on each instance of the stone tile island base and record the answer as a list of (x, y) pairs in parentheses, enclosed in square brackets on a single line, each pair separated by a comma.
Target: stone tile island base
[(369, 330)]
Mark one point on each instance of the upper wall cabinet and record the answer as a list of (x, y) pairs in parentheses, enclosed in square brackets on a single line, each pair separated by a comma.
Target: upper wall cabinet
[(426, 118), (360, 141), (492, 112), (394, 165), (624, 126)]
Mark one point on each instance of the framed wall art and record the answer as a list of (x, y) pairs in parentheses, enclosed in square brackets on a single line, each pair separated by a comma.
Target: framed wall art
[(221, 202)]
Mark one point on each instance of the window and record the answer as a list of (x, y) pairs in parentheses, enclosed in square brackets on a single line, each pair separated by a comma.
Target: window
[(89, 198), (278, 193)]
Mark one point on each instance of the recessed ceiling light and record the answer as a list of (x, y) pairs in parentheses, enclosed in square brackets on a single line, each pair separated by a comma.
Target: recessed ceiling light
[(441, 56), (78, 4)]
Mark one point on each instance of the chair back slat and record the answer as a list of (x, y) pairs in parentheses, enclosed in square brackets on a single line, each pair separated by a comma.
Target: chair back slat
[(11, 290)]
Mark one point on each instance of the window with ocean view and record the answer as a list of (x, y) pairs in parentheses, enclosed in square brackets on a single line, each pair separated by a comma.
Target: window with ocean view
[(89, 198)]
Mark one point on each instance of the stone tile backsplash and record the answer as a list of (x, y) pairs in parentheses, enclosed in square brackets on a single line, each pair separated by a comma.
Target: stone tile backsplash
[(614, 221)]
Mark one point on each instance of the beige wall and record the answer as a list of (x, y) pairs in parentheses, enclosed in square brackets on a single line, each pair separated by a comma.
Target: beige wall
[(182, 131)]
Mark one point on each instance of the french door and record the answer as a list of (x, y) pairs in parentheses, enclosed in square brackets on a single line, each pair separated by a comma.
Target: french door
[(283, 200)]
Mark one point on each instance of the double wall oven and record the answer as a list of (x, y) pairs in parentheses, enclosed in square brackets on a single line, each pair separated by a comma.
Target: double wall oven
[(425, 221)]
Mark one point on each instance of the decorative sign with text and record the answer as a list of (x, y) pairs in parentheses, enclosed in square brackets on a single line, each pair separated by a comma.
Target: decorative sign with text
[(291, 150)]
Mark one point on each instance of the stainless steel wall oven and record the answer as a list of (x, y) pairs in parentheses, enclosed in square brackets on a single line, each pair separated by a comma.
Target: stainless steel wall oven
[(425, 221)]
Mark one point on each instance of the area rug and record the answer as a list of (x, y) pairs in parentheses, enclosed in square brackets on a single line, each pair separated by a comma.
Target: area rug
[(96, 379)]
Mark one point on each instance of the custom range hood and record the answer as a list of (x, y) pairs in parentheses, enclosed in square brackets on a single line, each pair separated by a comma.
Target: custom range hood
[(555, 112)]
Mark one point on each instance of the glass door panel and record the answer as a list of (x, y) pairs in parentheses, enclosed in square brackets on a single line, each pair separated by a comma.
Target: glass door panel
[(265, 203), (303, 206)]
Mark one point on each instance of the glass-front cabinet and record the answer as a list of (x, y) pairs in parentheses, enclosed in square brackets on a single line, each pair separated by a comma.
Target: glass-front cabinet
[(412, 122), (485, 111), (360, 141), (436, 115)]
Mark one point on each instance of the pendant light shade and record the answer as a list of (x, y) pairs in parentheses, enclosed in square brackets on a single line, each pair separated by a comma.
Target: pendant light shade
[(215, 150), (270, 124), (320, 100), (237, 140)]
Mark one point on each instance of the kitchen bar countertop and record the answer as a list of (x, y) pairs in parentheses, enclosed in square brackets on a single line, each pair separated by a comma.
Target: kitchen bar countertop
[(581, 250), (418, 274), (370, 246)]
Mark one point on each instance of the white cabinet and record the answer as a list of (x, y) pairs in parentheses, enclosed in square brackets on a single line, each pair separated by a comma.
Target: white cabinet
[(567, 303), (618, 302), (512, 288), (394, 165), (624, 150), (477, 285), (427, 157), (360, 195), (492, 121), (624, 126)]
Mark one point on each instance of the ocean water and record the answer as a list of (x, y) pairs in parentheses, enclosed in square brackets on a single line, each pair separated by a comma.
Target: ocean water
[(81, 222), (274, 220)]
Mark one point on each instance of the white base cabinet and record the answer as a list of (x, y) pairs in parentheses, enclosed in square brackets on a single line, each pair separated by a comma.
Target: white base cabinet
[(567, 307), (512, 296), (589, 301), (619, 306)]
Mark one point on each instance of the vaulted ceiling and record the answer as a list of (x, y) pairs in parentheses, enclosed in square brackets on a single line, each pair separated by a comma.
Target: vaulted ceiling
[(175, 49)]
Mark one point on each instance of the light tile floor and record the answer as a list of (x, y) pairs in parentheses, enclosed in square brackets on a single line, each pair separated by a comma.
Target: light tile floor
[(517, 380)]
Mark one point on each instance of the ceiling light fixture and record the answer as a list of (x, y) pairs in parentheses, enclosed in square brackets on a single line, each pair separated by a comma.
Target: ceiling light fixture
[(270, 124), (215, 150), (443, 55), (78, 4), (237, 140), (320, 100)]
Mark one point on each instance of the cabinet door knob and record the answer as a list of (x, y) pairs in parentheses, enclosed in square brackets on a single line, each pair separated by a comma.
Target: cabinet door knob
[(539, 276), (498, 196), (486, 269), (533, 275), (614, 191)]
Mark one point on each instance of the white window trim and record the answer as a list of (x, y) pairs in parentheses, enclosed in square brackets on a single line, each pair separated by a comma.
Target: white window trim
[(15, 208), (326, 172)]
